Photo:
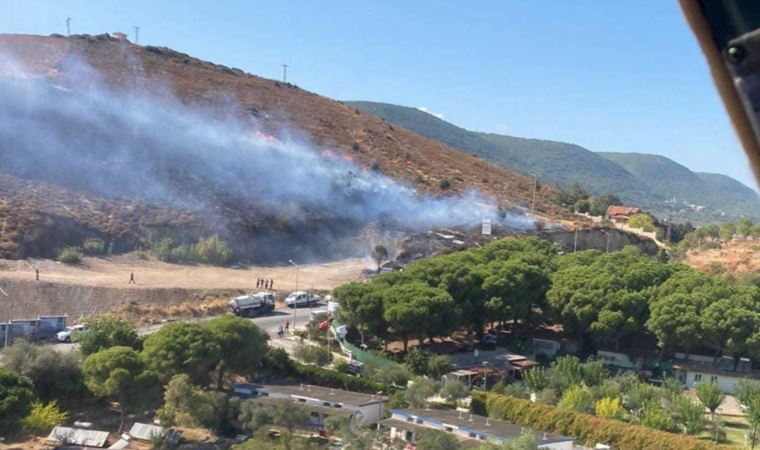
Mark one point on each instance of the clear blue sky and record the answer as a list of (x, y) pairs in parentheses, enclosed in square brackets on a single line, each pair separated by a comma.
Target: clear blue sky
[(610, 76)]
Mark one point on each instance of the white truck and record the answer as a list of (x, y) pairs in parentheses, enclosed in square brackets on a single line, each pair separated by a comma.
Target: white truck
[(252, 304), (301, 298)]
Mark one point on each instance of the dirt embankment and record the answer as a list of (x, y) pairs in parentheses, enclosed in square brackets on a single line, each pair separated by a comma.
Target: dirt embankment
[(100, 285), (736, 257)]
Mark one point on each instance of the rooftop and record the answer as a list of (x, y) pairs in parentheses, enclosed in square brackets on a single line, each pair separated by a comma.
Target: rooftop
[(744, 369), (494, 428), (321, 393), (621, 210), (327, 410)]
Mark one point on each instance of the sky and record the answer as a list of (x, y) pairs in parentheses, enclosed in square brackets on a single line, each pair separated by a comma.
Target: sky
[(609, 76)]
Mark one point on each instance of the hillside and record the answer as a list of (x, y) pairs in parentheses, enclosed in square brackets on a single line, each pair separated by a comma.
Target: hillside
[(682, 186), (324, 170), (655, 183)]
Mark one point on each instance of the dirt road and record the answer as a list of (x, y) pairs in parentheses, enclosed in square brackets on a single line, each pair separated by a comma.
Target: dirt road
[(101, 284)]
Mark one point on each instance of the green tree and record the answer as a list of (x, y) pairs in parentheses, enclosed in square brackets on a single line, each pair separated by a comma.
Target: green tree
[(710, 395), (536, 379), (213, 250), (593, 373), (117, 373), (105, 332), (43, 417), (565, 371), (454, 390), (379, 255), (744, 227), (415, 309), (431, 439), (55, 375), (638, 396), (656, 417), (690, 414), (416, 361), (182, 348), (241, 342), (361, 308), (727, 231), (16, 397), (577, 398), (643, 221), (438, 366), (420, 390)]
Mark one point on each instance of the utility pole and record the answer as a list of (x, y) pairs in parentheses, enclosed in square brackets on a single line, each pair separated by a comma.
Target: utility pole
[(535, 188), (284, 73), (8, 324), (295, 304), (137, 35), (68, 26)]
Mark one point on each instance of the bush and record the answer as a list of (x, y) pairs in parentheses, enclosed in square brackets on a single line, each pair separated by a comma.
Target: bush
[(93, 247), (44, 417), (587, 429), (54, 375), (213, 250), (333, 379), (70, 255), (312, 354), (445, 184)]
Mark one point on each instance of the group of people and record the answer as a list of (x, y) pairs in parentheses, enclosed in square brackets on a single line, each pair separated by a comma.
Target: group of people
[(264, 283), (281, 331)]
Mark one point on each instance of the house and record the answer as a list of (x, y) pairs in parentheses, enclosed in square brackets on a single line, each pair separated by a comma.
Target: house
[(321, 402), (692, 369), (620, 213), (620, 360), (469, 429)]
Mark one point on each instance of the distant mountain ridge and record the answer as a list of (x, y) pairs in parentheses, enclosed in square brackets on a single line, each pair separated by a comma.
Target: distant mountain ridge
[(653, 182)]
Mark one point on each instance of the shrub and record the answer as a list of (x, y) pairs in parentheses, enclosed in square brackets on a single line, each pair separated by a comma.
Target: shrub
[(312, 354), (93, 247), (609, 408), (577, 398), (330, 378), (213, 250), (587, 429), (43, 417), (416, 361), (445, 184), (70, 255), (438, 366)]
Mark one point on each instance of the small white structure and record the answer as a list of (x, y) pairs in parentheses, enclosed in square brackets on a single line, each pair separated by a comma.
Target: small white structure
[(74, 436), (695, 368), (469, 429), (145, 431)]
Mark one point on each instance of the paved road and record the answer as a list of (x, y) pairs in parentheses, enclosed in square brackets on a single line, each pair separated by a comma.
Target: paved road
[(269, 323)]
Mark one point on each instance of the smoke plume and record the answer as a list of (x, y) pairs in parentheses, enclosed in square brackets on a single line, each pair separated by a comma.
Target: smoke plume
[(124, 144)]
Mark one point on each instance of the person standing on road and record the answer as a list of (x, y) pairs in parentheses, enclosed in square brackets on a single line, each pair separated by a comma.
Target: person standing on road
[(37, 273), (271, 284), (132, 278), (287, 326)]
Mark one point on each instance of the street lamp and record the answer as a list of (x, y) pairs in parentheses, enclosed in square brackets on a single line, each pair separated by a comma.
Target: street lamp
[(7, 325), (295, 302), (607, 247)]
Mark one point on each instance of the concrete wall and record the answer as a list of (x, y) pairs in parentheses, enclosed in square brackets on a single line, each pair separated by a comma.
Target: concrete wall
[(597, 239)]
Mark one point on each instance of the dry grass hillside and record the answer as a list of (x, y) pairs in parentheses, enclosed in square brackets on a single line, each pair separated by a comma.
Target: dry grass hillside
[(371, 142), (735, 257)]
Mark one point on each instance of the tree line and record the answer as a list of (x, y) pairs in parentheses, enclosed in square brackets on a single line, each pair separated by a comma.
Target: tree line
[(599, 298)]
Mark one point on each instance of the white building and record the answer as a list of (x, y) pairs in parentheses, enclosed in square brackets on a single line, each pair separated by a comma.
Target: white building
[(704, 368), (469, 429), (321, 402)]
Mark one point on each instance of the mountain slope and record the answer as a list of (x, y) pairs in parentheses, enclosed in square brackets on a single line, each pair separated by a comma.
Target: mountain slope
[(547, 159), (682, 186), (649, 181), (177, 81)]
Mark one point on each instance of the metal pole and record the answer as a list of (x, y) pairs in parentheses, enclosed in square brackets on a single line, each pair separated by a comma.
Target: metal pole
[(575, 242), (137, 35), (7, 325), (284, 73), (68, 26), (295, 303)]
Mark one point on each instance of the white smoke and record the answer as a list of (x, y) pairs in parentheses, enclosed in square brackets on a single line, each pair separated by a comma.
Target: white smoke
[(130, 145)]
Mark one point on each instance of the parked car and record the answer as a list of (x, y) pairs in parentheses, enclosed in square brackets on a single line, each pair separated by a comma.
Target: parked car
[(488, 342), (355, 368), (69, 332), (301, 298)]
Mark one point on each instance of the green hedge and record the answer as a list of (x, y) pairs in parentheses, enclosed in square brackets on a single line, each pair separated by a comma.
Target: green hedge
[(587, 429), (334, 379)]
